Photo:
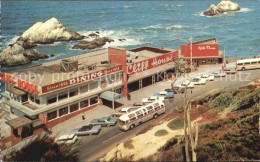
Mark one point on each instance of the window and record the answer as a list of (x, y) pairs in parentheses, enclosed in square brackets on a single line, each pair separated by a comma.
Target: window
[(52, 115), (63, 111), (63, 95), (84, 104), (74, 107), (258, 61), (37, 99), (103, 82), (84, 88), (246, 63), (254, 62), (31, 96), (93, 85), (240, 64), (139, 113), (51, 99), (73, 92), (93, 100), (149, 109)]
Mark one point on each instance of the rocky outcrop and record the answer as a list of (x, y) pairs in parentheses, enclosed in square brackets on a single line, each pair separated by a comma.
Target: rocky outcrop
[(47, 32), (15, 55), (97, 43), (222, 7)]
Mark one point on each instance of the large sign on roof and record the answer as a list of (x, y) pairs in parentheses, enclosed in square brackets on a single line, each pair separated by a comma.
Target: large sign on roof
[(150, 63), (200, 50), (24, 85), (80, 79)]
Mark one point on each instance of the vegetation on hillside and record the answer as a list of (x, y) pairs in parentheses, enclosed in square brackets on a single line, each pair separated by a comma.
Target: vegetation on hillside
[(229, 127), (43, 148)]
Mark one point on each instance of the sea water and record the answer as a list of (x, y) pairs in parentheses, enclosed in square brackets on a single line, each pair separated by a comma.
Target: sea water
[(141, 23)]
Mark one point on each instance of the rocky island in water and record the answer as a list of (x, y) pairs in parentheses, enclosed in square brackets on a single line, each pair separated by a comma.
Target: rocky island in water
[(48, 32), (222, 7)]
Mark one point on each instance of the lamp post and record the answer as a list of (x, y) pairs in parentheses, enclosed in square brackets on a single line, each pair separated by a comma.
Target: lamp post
[(224, 60), (113, 102), (250, 51), (191, 52)]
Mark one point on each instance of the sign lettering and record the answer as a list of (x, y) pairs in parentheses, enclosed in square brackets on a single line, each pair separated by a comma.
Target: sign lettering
[(80, 79), (24, 85), (148, 64)]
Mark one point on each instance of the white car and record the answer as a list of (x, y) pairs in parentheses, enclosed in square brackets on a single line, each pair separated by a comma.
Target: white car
[(198, 81), (152, 99), (189, 83), (67, 139), (219, 74), (208, 77)]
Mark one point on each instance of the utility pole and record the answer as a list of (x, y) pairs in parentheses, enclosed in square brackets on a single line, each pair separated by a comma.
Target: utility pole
[(250, 51), (224, 59), (191, 52)]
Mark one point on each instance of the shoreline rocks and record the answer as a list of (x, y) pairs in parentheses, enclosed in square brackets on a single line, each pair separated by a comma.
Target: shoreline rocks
[(15, 55), (96, 43), (222, 7), (47, 32)]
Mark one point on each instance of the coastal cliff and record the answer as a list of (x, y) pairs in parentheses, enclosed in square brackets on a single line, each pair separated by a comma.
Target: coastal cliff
[(222, 7)]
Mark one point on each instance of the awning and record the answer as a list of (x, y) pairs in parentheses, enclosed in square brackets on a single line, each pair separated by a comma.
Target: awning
[(111, 96), (18, 122), (16, 91)]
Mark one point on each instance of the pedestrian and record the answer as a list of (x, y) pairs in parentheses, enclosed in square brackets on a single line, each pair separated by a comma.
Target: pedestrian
[(128, 96), (83, 117)]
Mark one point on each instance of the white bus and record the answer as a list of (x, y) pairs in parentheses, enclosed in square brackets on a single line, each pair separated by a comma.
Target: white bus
[(141, 115), (245, 64)]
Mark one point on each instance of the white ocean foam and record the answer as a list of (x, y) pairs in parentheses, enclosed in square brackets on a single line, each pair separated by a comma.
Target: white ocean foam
[(179, 5), (126, 7), (245, 10), (12, 40), (158, 26), (115, 35), (200, 14)]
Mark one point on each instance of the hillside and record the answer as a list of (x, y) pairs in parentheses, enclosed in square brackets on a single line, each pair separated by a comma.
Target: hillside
[(228, 130)]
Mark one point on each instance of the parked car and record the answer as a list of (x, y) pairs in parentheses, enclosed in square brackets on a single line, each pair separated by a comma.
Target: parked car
[(151, 99), (208, 77), (67, 139), (124, 110), (138, 104), (230, 68), (199, 81), (178, 88), (164, 94), (219, 74), (87, 130), (189, 83), (104, 121)]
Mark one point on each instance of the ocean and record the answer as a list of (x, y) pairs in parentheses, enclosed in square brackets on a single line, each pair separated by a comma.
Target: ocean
[(141, 23)]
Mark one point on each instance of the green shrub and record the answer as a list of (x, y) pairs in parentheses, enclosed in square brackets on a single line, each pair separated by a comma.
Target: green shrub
[(170, 143), (223, 100), (247, 101), (161, 132), (176, 123), (43, 148)]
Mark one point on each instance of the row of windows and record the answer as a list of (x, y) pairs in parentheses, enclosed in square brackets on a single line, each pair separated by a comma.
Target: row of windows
[(247, 63), (85, 88), (72, 108)]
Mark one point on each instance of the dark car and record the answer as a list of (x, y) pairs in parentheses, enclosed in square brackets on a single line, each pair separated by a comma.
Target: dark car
[(179, 89)]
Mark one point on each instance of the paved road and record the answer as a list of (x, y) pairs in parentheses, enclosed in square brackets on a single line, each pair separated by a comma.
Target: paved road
[(96, 146)]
